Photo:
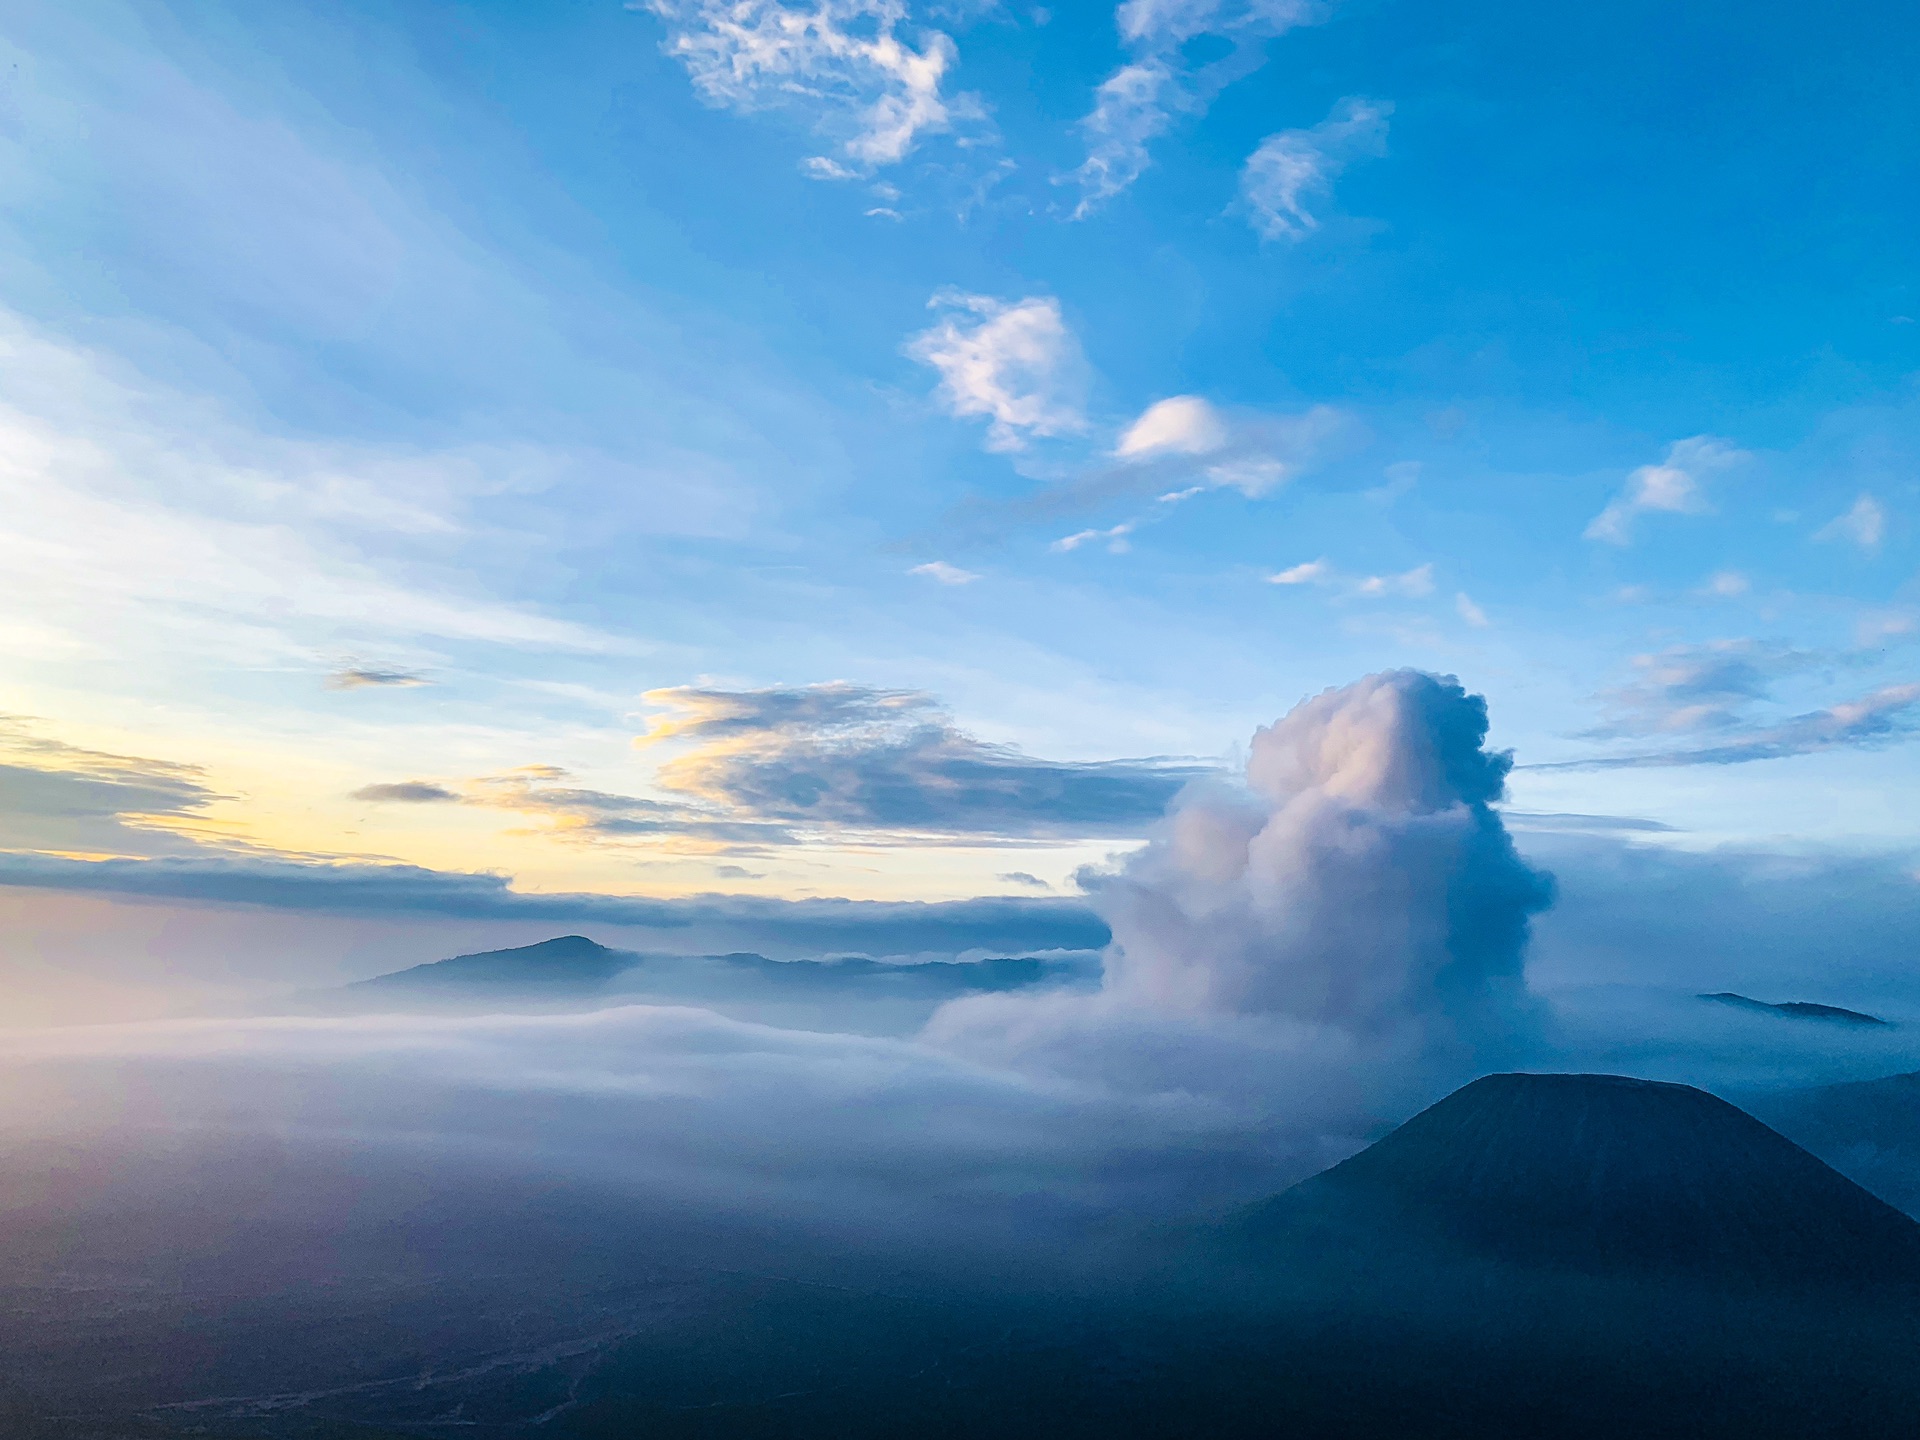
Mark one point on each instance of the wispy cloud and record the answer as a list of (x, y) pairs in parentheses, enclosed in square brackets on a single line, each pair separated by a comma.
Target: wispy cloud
[(846, 62), (1294, 168), (846, 756), (1676, 486), (407, 792), (362, 677), (1414, 584), (825, 926), (1137, 103), (1114, 536), (943, 572), (60, 797), (1014, 363), (1864, 523), (1468, 611), (1879, 717)]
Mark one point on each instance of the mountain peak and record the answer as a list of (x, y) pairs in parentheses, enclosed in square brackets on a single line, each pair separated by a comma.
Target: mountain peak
[(1603, 1172)]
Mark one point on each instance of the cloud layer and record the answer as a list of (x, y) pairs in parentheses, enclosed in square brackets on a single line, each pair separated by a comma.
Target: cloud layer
[(844, 755)]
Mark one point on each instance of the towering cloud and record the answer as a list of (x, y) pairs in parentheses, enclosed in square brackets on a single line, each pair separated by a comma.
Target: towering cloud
[(1337, 936), (1362, 879)]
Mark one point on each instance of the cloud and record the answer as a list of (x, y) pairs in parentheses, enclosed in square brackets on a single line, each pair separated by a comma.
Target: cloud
[(61, 797), (841, 755), (360, 678), (1130, 110), (845, 60), (1022, 878), (814, 927), (407, 792), (1676, 486), (943, 572), (1414, 584), (1308, 572), (1182, 425), (1697, 687), (150, 524), (1114, 535), (1468, 611), (1880, 717), (1137, 103), (1293, 168), (1348, 925), (593, 816), (1864, 524), (1013, 362)]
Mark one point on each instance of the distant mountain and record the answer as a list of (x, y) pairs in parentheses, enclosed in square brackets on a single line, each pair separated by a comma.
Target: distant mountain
[(572, 972), (1797, 1009), (1600, 1174), (566, 962)]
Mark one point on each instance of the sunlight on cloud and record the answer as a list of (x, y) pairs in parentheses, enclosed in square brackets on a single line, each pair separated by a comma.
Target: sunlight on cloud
[(844, 58), (1013, 362), (1676, 486), (125, 509)]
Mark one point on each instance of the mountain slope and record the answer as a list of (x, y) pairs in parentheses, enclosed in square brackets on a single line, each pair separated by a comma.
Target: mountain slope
[(567, 962), (1602, 1174)]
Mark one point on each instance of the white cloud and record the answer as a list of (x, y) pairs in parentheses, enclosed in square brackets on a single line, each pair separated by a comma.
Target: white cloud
[(843, 58), (153, 523), (1014, 362), (1115, 536), (1676, 486), (1130, 110), (1864, 523), (1293, 168), (1726, 585), (1470, 612), (943, 572), (1312, 572), (1182, 425), (1350, 921), (1135, 105), (1412, 583)]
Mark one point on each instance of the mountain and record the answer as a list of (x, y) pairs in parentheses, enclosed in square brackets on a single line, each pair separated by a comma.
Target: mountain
[(1797, 1009), (1605, 1175), (1870, 1129), (568, 962), (572, 972)]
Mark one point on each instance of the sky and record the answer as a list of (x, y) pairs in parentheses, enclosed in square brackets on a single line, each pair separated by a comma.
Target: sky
[(844, 470)]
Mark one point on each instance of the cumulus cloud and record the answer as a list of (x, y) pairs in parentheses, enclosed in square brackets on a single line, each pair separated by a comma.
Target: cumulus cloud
[(1864, 524), (1014, 363), (1294, 168), (1137, 103), (846, 61), (1350, 923), (1676, 486), (847, 756)]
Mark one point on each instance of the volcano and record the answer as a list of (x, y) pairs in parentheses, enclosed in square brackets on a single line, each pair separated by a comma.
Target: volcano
[(1605, 1175)]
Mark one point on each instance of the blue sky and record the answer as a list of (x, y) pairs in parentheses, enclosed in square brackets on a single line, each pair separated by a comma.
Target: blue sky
[(935, 434)]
